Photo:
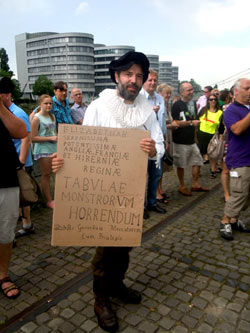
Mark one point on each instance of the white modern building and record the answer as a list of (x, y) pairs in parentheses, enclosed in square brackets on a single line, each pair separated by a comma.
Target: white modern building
[(75, 59), (60, 56), (169, 74), (153, 61)]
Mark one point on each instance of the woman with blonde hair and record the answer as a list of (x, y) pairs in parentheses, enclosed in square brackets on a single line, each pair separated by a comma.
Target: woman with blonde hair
[(165, 91), (43, 129)]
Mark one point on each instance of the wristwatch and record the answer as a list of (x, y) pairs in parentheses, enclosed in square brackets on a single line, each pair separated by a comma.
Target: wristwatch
[(191, 123)]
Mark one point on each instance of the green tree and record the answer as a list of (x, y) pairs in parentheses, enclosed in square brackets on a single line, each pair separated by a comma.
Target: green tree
[(17, 94), (196, 86), (6, 72), (4, 66), (42, 86)]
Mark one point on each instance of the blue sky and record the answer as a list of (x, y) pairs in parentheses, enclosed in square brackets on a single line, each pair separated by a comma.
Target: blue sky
[(208, 39)]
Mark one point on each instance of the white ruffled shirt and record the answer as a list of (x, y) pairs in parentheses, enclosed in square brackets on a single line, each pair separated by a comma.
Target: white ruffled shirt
[(109, 110)]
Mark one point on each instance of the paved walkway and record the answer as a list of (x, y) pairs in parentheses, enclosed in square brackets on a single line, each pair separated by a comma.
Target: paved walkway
[(190, 279)]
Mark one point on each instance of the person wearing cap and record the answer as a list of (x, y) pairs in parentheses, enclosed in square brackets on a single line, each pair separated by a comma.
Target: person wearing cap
[(10, 127), (24, 151), (122, 107)]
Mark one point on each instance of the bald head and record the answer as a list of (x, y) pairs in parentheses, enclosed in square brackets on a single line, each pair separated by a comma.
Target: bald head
[(76, 95), (242, 91), (186, 91)]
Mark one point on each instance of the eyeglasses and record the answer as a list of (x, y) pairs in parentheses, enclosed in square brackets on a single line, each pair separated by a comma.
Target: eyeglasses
[(212, 99), (79, 94)]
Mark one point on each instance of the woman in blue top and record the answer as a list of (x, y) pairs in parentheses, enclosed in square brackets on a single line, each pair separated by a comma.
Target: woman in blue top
[(43, 129)]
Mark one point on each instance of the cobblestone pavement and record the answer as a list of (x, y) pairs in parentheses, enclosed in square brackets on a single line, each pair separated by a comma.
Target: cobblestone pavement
[(190, 279)]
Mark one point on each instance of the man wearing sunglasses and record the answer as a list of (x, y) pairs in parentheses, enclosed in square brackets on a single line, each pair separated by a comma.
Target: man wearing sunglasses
[(185, 150), (202, 101), (79, 108)]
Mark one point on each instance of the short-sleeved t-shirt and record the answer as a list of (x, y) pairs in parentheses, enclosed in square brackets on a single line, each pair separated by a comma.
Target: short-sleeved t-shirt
[(238, 153), (184, 111), (18, 112), (10, 161)]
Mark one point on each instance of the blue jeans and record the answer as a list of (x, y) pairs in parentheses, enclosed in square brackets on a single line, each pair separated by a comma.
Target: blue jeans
[(154, 175)]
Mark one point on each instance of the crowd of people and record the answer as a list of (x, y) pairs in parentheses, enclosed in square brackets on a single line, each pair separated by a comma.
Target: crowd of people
[(178, 125)]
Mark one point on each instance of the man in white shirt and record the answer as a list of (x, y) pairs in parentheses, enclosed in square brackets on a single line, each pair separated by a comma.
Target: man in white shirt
[(122, 107), (202, 101)]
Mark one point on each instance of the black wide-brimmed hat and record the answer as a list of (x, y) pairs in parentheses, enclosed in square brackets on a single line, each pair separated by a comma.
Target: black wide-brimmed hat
[(126, 61), (6, 85)]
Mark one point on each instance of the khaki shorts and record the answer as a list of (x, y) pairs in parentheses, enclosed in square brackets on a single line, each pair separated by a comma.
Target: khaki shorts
[(9, 212), (186, 155), (239, 192)]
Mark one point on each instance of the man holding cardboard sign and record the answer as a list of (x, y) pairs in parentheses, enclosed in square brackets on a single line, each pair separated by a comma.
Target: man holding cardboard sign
[(120, 108)]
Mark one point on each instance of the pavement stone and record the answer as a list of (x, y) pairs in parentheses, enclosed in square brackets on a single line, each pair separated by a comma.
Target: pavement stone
[(191, 280)]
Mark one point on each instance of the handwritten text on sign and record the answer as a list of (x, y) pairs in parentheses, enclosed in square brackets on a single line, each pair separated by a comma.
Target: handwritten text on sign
[(100, 190)]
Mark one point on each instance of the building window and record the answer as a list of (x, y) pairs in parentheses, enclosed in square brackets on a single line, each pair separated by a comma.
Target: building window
[(39, 69)]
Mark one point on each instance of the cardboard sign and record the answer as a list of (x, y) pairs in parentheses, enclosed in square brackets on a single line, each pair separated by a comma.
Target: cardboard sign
[(100, 190)]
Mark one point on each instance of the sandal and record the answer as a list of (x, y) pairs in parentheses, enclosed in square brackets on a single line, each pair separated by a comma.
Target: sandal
[(212, 174), (11, 287), (25, 231), (165, 196), (162, 200)]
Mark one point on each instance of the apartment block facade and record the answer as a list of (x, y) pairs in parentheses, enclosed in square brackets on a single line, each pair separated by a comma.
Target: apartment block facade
[(75, 59), (68, 57)]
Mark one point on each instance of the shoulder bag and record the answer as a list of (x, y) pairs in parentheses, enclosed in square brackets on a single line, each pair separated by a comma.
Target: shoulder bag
[(28, 188), (215, 148)]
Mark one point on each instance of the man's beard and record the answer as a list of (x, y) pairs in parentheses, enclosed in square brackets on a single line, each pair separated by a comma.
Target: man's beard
[(127, 95)]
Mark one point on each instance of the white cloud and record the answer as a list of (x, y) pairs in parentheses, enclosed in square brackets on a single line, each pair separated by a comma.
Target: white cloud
[(220, 17), (212, 17), (16, 7), (209, 65), (82, 8)]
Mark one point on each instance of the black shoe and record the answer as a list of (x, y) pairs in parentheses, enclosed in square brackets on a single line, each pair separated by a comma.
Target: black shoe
[(107, 319), (157, 209), (128, 295), (146, 215), (212, 174), (226, 231), (240, 226)]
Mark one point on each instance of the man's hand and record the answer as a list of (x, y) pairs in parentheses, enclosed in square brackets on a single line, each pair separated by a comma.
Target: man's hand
[(196, 122), (57, 162), (174, 124), (156, 108), (148, 145)]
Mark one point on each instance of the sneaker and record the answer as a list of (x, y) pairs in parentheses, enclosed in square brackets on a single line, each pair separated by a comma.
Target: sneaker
[(240, 226), (226, 231)]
